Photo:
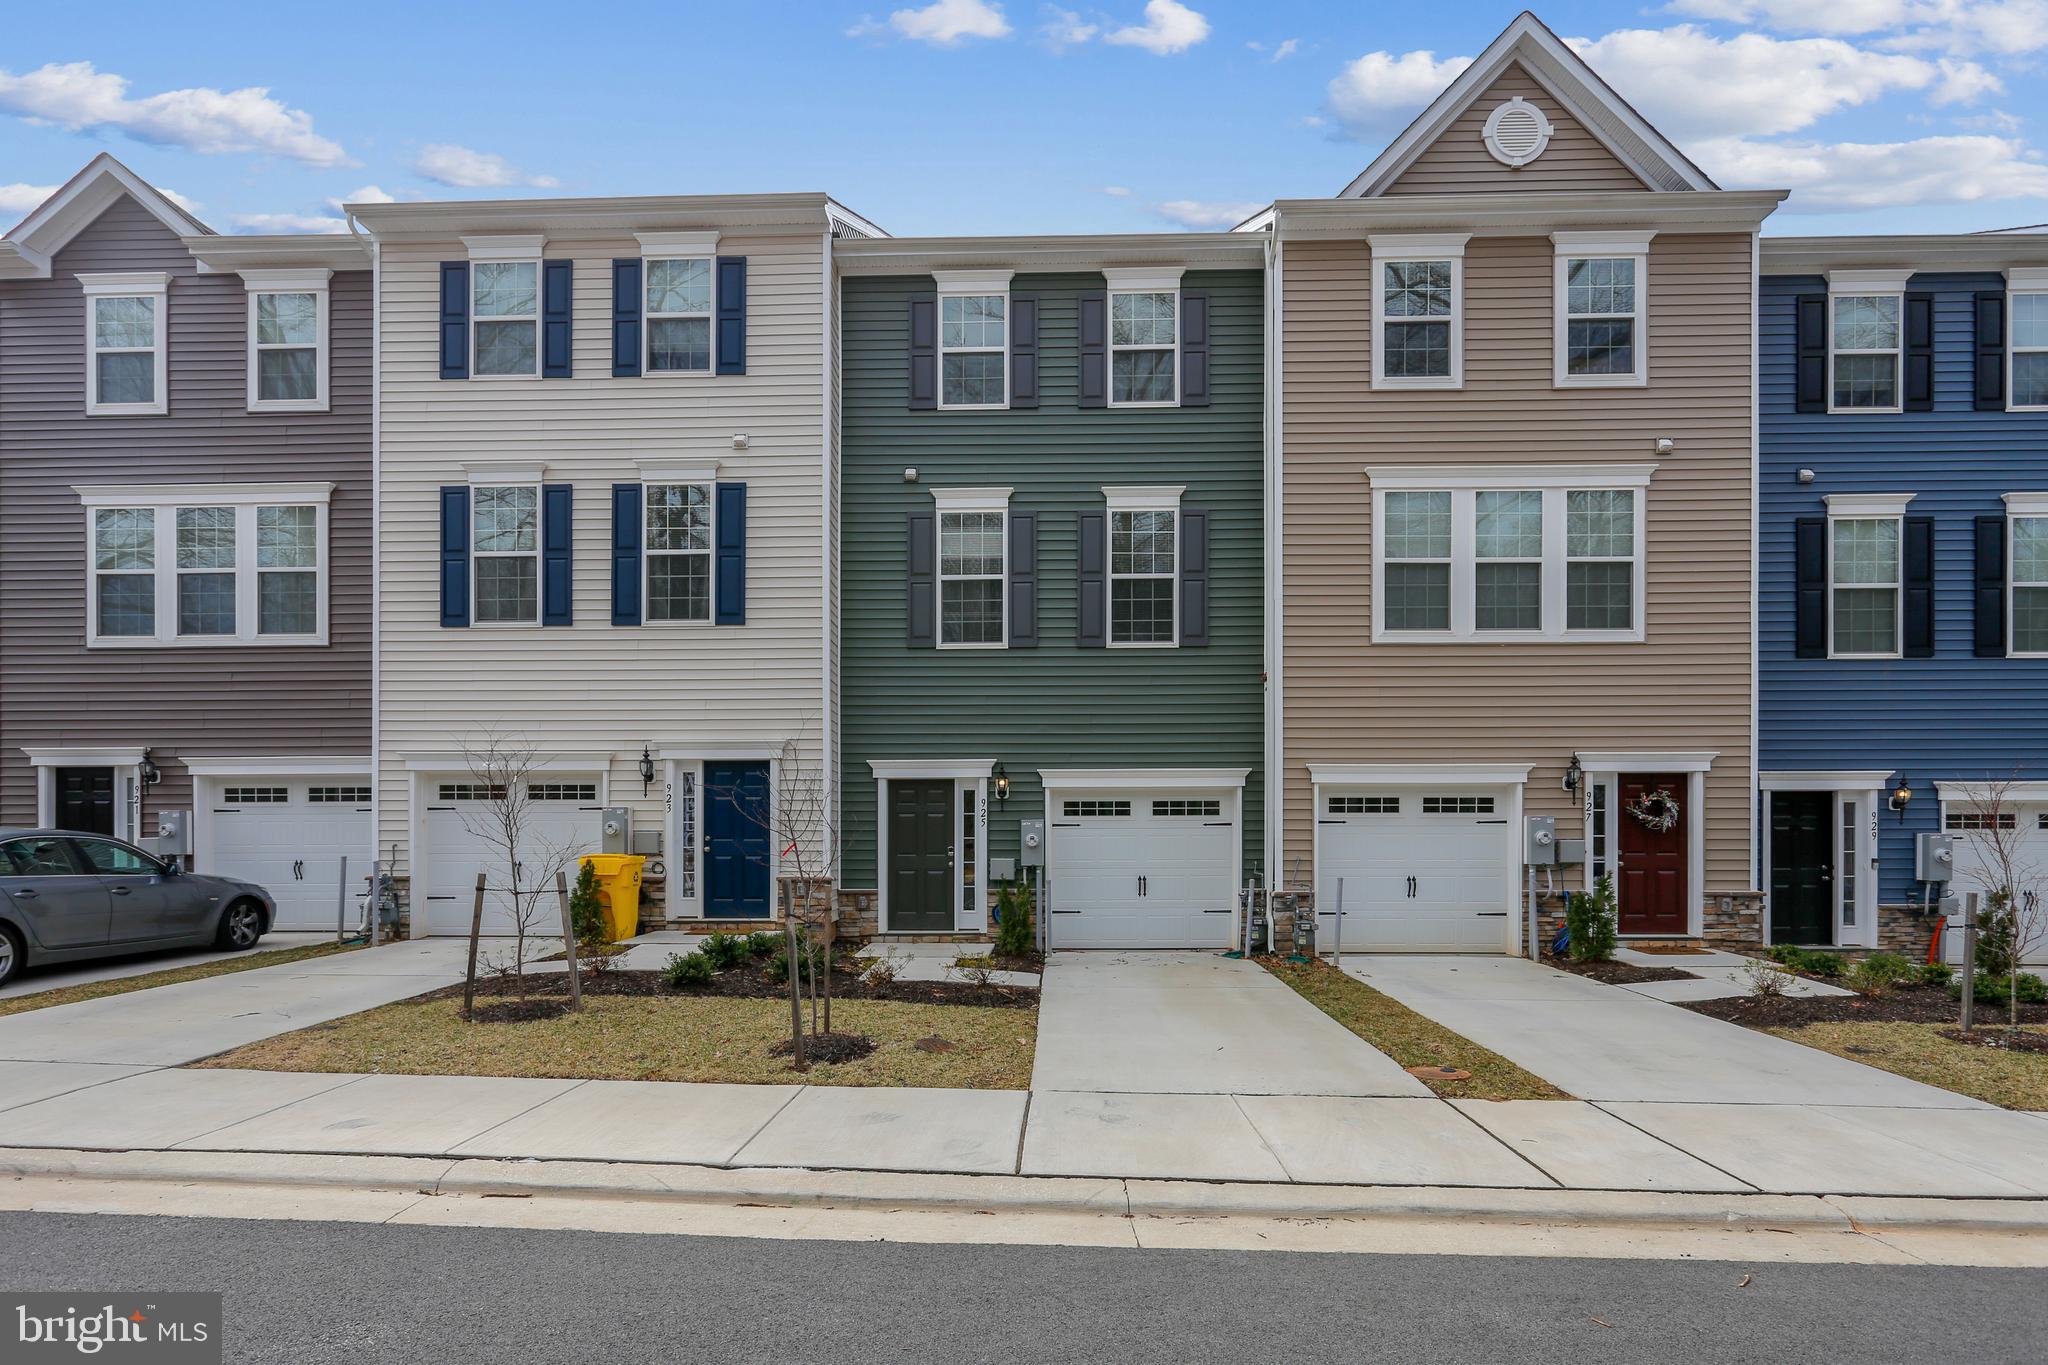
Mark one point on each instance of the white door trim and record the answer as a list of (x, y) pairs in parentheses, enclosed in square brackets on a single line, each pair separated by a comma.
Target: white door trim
[(1609, 768), (127, 765), (965, 773)]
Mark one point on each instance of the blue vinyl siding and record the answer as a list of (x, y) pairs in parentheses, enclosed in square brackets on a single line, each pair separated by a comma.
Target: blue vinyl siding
[(1953, 717)]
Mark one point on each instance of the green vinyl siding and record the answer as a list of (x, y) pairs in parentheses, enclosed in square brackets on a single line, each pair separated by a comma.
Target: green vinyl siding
[(1056, 705)]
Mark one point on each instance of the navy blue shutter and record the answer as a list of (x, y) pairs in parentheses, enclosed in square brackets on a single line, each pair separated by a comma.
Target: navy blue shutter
[(924, 354), (1194, 578), (557, 542), (455, 554), (1023, 585), (1918, 623), (1919, 353), (626, 554), (1813, 352), (1988, 584), (557, 314), (921, 593), (1094, 320), (1991, 357), (730, 580), (1024, 351), (1810, 602), (455, 319), (1194, 350), (626, 318), (732, 315), (1091, 578)]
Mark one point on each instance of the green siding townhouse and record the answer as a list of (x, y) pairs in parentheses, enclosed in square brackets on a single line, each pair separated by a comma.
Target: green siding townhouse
[(1051, 587)]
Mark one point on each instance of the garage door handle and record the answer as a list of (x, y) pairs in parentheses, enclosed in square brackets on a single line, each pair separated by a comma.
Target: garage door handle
[(1491, 914)]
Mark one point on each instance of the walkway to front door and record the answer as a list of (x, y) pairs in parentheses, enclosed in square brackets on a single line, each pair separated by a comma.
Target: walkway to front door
[(1802, 867), (1652, 887), (737, 857), (921, 856)]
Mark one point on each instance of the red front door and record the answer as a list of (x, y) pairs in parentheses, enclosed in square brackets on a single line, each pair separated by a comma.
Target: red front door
[(1652, 886)]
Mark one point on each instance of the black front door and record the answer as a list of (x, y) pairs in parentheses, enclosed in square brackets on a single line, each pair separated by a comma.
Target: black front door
[(921, 856), (85, 800), (1802, 867)]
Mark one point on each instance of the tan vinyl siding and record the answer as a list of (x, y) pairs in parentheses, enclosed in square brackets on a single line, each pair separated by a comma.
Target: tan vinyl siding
[(1687, 687), (1458, 162)]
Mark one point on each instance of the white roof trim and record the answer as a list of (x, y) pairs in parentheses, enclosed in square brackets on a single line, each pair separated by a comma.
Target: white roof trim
[(1417, 774), (300, 765), (1852, 780), (1866, 504), (1115, 779), (81, 200)]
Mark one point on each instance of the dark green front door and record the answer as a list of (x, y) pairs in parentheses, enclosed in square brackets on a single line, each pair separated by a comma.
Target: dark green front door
[(1802, 867), (920, 856)]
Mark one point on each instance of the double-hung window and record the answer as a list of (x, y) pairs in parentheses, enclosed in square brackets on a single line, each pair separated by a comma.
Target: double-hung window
[(1144, 567), (1508, 553), (197, 565), (287, 340), (1866, 326), (678, 554), (1144, 338), (974, 339), (1418, 312), (1866, 564), (2027, 534), (505, 553), (125, 316), (1600, 286), (2028, 352), (679, 293), (505, 317), (974, 562)]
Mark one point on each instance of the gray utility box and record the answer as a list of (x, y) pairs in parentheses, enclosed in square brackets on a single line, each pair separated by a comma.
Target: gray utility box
[(647, 842), (1539, 840), (1934, 858), (1571, 851), (1031, 842), (1002, 870), (617, 829), (173, 833)]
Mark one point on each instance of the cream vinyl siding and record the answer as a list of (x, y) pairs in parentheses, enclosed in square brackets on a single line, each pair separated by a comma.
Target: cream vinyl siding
[(1458, 162), (593, 687), (1686, 687)]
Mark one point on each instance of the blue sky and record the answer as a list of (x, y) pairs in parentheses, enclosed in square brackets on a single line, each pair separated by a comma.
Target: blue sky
[(968, 116)]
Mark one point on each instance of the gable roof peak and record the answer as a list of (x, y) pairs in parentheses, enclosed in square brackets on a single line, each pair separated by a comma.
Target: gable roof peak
[(80, 200)]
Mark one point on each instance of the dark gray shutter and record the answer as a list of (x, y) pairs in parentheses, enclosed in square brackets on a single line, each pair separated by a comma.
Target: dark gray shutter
[(921, 588), (1023, 584), (455, 320), (626, 503), (1988, 584), (1194, 350), (1194, 578), (924, 354), (1813, 352), (1810, 577), (729, 579), (732, 315), (1024, 351), (1091, 577), (557, 318), (1918, 622), (1991, 357), (455, 554), (1094, 322), (1919, 353), (626, 318), (557, 542)]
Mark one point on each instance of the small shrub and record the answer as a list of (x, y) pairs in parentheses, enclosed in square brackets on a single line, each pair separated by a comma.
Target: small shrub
[(1783, 953), (1997, 935), (1013, 924), (762, 943), (1590, 920), (1763, 980), (1934, 974), (586, 909), (812, 955), (2000, 990), (1879, 972), (1833, 966), (685, 970), (726, 951), (882, 971)]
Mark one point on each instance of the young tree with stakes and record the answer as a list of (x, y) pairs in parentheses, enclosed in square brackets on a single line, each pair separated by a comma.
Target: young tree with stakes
[(502, 769), (2015, 921)]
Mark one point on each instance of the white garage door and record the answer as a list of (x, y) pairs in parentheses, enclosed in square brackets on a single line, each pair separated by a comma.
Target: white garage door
[(1976, 865), (1424, 870), (289, 835), (1143, 869), (562, 823)]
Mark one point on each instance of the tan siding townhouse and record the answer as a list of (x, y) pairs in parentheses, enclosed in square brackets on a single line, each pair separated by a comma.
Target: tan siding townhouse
[(1515, 494)]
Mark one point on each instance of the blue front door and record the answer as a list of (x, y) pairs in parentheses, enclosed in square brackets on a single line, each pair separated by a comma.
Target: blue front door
[(736, 853)]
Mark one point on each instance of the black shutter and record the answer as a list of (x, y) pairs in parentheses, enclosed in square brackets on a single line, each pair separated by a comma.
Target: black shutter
[(1810, 573), (1989, 588), (920, 552), (1919, 353), (1991, 357), (1094, 351), (1813, 353), (1194, 578), (1024, 351), (626, 318), (1194, 350), (1918, 625), (730, 582), (455, 554), (924, 354), (732, 315), (557, 315), (455, 321), (1092, 579), (626, 554), (557, 539), (1023, 585)]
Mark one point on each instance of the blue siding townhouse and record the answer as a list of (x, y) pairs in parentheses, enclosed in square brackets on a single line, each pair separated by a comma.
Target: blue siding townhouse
[(1903, 534)]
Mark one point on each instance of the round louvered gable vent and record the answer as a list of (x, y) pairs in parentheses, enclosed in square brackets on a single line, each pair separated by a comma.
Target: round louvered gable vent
[(1517, 132)]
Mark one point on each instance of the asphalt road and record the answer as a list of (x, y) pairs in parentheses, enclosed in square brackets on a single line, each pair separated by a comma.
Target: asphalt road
[(316, 1292)]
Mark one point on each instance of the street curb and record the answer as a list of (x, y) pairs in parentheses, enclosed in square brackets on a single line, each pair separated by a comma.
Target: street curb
[(1034, 1195)]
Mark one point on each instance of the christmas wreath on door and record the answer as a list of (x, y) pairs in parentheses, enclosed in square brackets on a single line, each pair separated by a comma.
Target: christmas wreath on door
[(1656, 811)]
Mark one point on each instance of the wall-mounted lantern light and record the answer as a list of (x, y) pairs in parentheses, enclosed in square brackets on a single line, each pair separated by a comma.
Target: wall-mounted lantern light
[(1572, 774), (149, 772), (1002, 780), (1901, 797), (646, 769)]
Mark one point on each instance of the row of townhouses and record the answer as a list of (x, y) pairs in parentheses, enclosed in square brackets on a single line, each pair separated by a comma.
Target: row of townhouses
[(1523, 477)]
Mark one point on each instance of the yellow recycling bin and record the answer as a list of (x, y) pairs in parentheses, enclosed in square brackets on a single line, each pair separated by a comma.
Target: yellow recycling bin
[(618, 890)]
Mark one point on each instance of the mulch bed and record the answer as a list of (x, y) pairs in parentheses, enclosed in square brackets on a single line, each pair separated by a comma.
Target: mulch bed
[(750, 982), (1999, 1038), (1902, 1005), (829, 1048), (1619, 973), (521, 1011), (1033, 961)]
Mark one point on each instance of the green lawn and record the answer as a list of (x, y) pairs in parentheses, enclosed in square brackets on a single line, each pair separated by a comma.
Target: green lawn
[(2012, 1080)]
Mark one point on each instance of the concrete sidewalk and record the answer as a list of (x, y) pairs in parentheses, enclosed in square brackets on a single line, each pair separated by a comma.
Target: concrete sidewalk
[(34, 980)]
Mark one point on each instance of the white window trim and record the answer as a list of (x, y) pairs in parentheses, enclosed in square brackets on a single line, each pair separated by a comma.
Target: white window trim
[(1604, 246), (539, 535), (677, 246), (1392, 250), (1554, 482), (1869, 507), (1141, 280), (2019, 506), (2029, 280), (525, 248), (958, 500), (1139, 498), (128, 284), (1874, 284), (163, 501), (314, 282), (974, 284), (709, 483)]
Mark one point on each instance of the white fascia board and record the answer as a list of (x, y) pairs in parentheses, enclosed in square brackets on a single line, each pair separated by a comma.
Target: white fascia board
[(1116, 779), (331, 251), (525, 246), (1868, 281), (1423, 245), (973, 281), (213, 494), (286, 281), (1866, 504), (1417, 774), (2026, 504), (1532, 475), (971, 499), (1135, 497), (1530, 213), (673, 244), (1602, 243), (1953, 252)]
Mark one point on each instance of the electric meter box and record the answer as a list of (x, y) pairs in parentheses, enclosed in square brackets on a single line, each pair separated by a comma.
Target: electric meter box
[(617, 829), (1934, 857), (1031, 843), (173, 833), (1539, 840)]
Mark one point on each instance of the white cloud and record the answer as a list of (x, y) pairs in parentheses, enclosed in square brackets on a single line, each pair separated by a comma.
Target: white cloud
[(447, 164), (1063, 28), (1206, 214), (78, 97), (1286, 50), (2008, 27), (289, 222), (366, 194), (1115, 191), (1169, 27), (1802, 16), (24, 199), (1379, 93), (944, 23), (1844, 177)]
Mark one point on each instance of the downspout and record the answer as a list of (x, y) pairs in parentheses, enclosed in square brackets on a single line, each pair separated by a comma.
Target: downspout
[(375, 248), (1276, 694), (828, 696)]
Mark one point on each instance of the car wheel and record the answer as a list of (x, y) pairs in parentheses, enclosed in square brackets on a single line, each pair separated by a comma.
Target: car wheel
[(12, 957), (240, 927)]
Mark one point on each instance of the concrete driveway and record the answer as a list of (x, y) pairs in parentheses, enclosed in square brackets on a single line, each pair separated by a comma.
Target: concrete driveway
[(1604, 1044)]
